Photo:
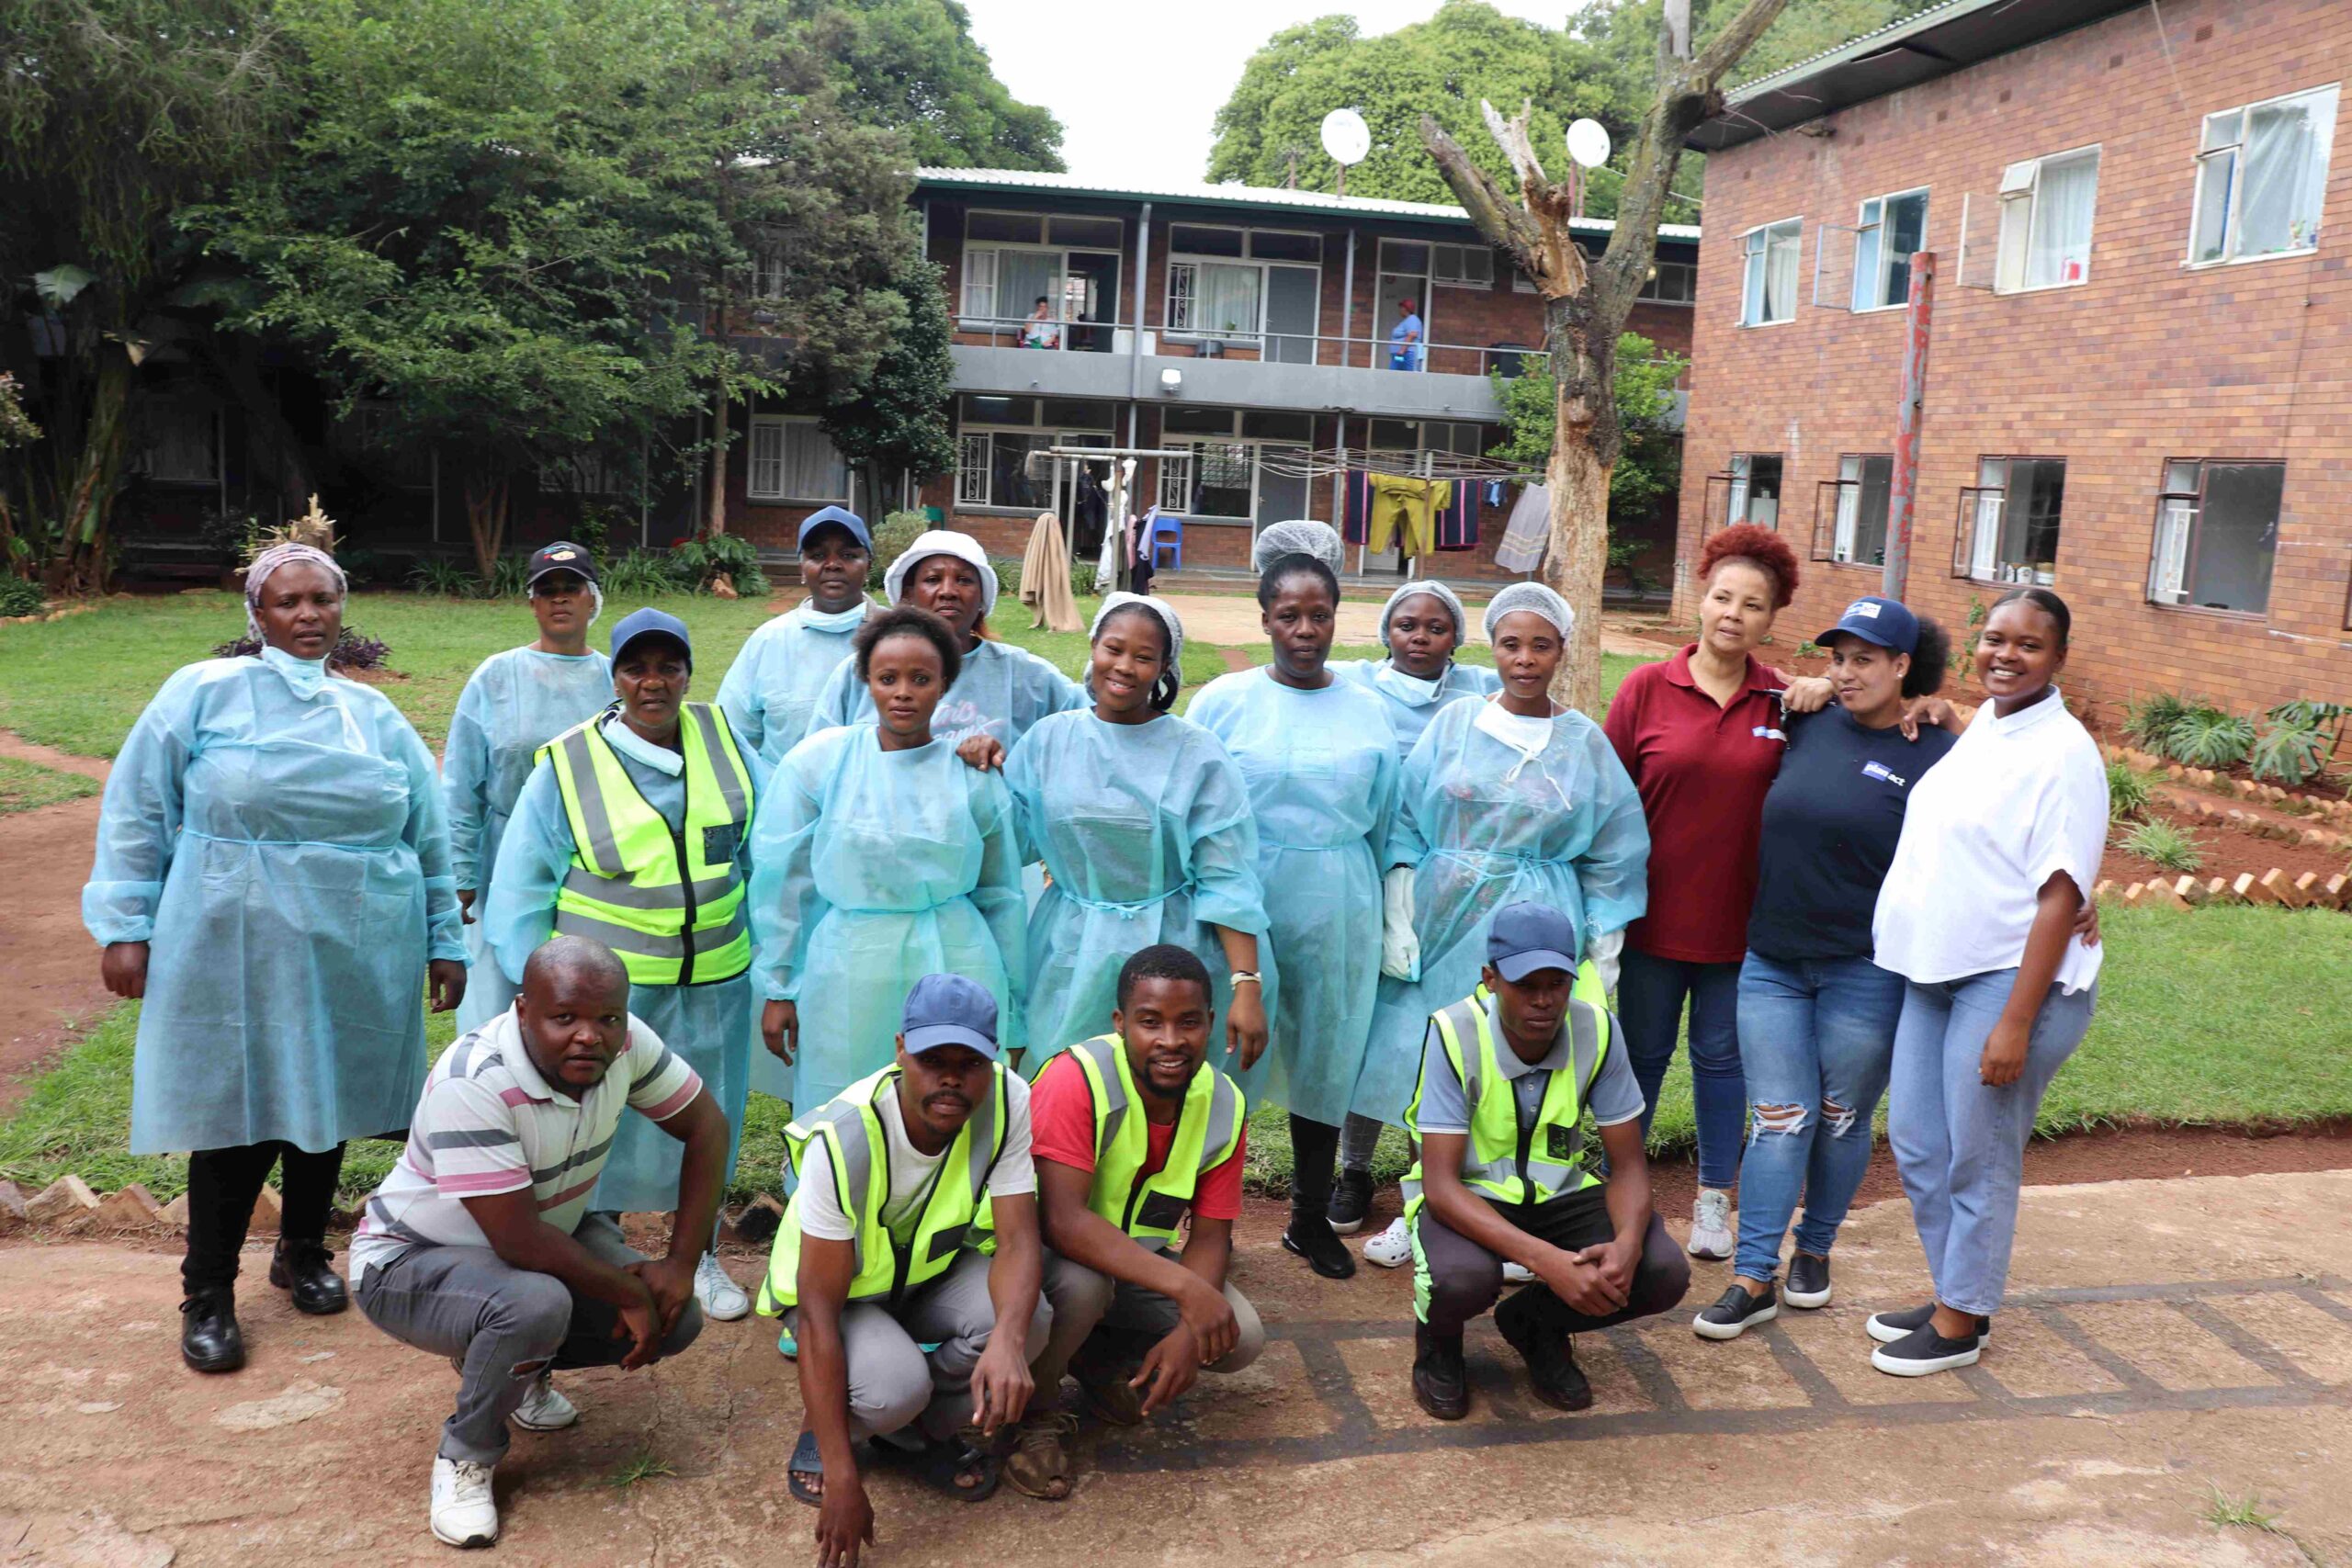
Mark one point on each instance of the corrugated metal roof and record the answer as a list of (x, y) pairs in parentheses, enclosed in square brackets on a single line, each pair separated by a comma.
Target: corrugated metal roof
[(1262, 197)]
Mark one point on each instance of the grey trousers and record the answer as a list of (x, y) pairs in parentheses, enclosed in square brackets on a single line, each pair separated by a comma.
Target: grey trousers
[(894, 1380), (1084, 1300), (505, 1324)]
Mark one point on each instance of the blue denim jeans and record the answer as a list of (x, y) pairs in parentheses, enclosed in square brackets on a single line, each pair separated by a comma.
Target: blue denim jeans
[(1650, 994), (1959, 1145), (1815, 1036)]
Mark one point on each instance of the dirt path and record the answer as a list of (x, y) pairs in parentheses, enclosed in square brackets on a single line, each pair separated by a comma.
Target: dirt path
[(51, 966)]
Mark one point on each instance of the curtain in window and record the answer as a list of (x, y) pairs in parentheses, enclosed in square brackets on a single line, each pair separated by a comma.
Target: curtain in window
[(2285, 161), (1224, 299), (812, 469), (2060, 250), (1780, 275), (1021, 277)]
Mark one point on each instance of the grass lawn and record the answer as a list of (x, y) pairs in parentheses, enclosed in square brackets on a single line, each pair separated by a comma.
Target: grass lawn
[(25, 785)]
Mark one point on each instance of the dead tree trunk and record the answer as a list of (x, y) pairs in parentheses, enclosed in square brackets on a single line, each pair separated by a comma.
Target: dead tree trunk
[(1587, 300)]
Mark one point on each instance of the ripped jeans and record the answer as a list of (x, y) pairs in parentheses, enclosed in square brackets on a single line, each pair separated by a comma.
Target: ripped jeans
[(1817, 1036)]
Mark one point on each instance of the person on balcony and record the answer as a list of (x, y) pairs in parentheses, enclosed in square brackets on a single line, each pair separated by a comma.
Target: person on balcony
[(1406, 350)]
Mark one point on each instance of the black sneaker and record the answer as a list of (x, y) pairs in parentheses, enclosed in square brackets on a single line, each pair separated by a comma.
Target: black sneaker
[(1441, 1381), (210, 1340), (1886, 1327), (1552, 1369), (1923, 1350), (1311, 1237), (1736, 1312), (1351, 1202), (1808, 1281)]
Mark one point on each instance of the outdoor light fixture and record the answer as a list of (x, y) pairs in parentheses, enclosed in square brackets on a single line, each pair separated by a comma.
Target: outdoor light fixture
[(1171, 381)]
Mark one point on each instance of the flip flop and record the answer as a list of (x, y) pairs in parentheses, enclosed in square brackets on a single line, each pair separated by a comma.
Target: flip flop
[(806, 1461), (938, 1464)]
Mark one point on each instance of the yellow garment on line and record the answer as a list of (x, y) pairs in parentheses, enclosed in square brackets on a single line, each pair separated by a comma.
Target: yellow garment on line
[(1408, 506)]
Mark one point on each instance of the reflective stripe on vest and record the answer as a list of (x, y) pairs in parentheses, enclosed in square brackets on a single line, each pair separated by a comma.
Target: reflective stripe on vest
[(1208, 1128), (671, 903), (1501, 1160), (850, 1127)]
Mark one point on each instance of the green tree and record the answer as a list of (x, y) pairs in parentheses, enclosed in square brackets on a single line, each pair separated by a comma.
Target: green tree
[(1649, 465), (898, 421), (913, 66)]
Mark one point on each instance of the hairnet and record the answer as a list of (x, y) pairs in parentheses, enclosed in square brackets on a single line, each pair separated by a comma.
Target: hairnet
[(1435, 590), (1120, 599), (1534, 598), (269, 561), (1299, 537), (943, 542)]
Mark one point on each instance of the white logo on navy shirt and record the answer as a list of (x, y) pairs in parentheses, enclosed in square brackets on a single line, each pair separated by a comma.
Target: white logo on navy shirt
[(1880, 771)]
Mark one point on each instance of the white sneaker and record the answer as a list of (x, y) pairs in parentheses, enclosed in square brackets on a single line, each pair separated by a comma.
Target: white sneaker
[(543, 1409), (723, 1301), (1517, 1273), (1392, 1247), (1711, 1225), (464, 1514)]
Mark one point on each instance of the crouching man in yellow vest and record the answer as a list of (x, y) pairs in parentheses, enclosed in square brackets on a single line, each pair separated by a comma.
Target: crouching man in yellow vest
[(906, 1331), (1133, 1133), (1506, 1075)]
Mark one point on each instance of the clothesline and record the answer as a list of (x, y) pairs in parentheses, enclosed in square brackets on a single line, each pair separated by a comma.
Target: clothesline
[(1322, 462)]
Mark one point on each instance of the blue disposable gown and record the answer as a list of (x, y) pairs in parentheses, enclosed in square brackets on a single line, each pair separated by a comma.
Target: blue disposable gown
[(770, 693), (1321, 767), (1407, 714), (513, 704), (1565, 830), (285, 856), (870, 870), (1147, 831), (710, 1025), (1002, 689)]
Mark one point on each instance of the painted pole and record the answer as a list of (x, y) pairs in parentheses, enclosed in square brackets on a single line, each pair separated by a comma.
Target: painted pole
[(1917, 318)]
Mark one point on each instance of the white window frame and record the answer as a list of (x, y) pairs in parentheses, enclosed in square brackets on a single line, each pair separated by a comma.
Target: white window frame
[(1257, 332), (766, 277), (2180, 513), (2233, 152), (2021, 199), (1865, 225), (1741, 472), (1756, 269), (1460, 255), (1992, 505), (1174, 496), (753, 461), (1849, 509), (977, 313), (976, 455)]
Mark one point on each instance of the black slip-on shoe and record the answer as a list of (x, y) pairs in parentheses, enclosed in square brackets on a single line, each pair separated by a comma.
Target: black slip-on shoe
[(210, 1340), (1807, 1285), (306, 1270), (1886, 1327), (1351, 1202), (1440, 1380), (1311, 1237), (1552, 1369), (1736, 1312), (1923, 1350)]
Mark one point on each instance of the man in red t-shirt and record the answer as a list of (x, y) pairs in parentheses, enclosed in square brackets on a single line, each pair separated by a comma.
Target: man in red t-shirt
[(1125, 1298)]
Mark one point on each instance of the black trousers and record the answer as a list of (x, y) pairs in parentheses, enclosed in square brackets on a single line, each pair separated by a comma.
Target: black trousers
[(1456, 1278), (221, 1187)]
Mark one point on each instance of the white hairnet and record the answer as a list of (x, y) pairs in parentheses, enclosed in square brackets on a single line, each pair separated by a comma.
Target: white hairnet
[(1435, 590), (1121, 599), (1534, 598), (270, 560), (1299, 537), (943, 542)]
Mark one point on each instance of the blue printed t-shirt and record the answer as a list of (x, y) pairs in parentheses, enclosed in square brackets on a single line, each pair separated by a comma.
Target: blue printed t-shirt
[(1831, 821)]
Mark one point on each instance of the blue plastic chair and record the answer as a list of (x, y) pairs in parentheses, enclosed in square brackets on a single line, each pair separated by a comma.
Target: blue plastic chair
[(1166, 532)]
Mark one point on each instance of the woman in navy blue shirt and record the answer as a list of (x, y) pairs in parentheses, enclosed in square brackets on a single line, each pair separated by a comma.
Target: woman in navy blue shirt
[(1817, 1016)]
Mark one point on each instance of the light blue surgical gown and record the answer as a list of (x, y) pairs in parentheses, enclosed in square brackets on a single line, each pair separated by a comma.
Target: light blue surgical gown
[(709, 1025), (771, 690), (1148, 833), (1409, 712), (1322, 772), (870, 870), (1485, 829), (1002, 689), (513, 704), (276, 835)]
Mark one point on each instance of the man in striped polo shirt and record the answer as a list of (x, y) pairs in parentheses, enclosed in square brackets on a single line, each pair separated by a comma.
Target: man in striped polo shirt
[(477, 1247)]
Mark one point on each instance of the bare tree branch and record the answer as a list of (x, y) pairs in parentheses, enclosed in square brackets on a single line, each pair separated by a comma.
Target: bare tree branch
[(1727, 48), (1503, 222)]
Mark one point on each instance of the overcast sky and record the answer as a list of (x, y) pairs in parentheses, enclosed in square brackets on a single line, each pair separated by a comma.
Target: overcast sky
[(1135, 86)]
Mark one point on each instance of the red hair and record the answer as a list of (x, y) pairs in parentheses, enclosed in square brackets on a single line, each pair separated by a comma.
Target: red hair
[(1761, 549)]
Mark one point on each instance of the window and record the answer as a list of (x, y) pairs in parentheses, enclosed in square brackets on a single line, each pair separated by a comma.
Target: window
[(2261, 174), (992, 466), (1862, 488), (794, 460), (1754, 489), (1223, 477), (2217, 534), (1768, 288), (1671, 282), (1014, 259), (766, 279), (1239, 284), (2008, 521), (2046, 222), (1891, 228), (1461, 267), (177, 438)]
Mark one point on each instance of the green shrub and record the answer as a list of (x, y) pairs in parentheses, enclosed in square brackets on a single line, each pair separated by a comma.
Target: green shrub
[(898, 531), (1081, 579), (19, 596), (698, 561), (2163, 844), (1008, 579), (2129, 791), (2207, 737), (2149, 721), (2286, 752), (439, 574), (640, 574), (510, 578)]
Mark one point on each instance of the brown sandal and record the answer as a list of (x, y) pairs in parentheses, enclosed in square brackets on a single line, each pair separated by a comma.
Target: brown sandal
[(1039, 1465)]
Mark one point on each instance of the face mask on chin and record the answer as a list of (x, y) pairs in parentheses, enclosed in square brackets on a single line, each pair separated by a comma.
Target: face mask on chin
[(1410, 690)]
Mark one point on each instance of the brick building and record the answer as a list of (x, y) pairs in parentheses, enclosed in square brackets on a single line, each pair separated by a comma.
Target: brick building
[(1265, 317), (2136, 389)]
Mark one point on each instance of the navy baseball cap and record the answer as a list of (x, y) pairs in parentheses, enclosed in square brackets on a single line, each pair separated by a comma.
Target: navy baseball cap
[(840, 517), (560, 556), (1528, 937), (949, 1010), (649, 622), (1886, 622)]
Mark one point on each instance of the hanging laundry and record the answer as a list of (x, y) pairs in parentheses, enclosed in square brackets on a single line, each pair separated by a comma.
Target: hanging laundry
[(1528, 532), (1404, 512), (1455, 517)]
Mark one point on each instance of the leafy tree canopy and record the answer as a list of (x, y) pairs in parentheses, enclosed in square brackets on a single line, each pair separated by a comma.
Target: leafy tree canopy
[(913, 66), (1650, 463)]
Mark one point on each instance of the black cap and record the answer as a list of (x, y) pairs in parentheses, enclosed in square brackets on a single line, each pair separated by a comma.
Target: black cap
[(560, 556)]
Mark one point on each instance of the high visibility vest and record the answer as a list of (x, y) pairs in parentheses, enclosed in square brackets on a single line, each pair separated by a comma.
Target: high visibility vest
[(886, 1268), (1208, 1130), (670, 903), (1506, 1162)]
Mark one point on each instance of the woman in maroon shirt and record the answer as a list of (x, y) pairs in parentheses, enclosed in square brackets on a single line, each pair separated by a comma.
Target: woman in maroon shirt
[(1702, 736)]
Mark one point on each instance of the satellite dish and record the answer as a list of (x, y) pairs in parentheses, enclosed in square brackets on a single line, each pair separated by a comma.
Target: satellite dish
[(1346, 137), (1588, 143)]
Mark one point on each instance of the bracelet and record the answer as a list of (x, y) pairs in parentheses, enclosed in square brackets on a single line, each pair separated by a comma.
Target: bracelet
[(1249, 974)]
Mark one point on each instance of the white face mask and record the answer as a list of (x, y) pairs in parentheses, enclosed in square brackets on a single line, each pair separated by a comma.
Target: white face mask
[(307, 676), (1524, 735), (817, 620), (1410, 690), (635, 747)]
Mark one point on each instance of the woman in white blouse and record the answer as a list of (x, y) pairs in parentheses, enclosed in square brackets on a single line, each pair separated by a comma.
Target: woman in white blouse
[(1999, 849)]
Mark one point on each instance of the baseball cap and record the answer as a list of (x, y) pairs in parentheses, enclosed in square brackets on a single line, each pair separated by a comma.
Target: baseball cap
[(1886, 622), (649, 622), (1529, 936), (560, 556), (840, 517), (949, 1010)]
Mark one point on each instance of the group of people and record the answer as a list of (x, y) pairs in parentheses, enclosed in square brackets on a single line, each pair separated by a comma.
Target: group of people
[(1022, 950)]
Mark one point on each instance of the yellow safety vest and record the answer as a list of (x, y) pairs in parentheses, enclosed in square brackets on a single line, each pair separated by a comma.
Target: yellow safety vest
[(886, 1268), (1208, 1128), (671, 903)]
